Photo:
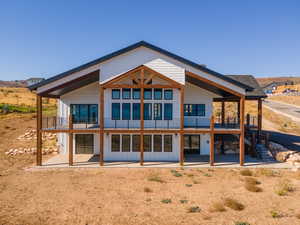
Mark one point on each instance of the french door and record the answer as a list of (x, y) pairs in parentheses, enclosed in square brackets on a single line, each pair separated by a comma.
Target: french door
[(192, 144)]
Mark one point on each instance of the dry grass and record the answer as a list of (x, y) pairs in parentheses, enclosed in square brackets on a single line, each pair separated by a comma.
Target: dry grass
[(233, 204), (294, 100), (147, 190), (283, 187), (246, 172), (251, 180), (253, 187), (217, 207), (193, 209), (155, 178)]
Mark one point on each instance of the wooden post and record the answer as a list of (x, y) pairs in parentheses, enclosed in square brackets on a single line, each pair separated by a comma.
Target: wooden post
[(212, 141), (253, 143), (238, 111), (101, 125), (267, 140), (248, 120), (242, 129), (142, 120), (39, 130), (70, 140), (223, 113), (259, 119), (181, 158)]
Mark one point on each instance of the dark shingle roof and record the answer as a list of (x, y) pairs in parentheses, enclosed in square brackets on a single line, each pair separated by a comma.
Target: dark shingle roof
[(132, 47), (252, 82)]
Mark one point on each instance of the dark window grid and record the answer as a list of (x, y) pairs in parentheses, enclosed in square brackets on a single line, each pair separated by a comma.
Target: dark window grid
[(116, 94), (147, 143), (136, 111), (115, 143), (168, 111), (157, 111), (126, 111), (168, 143), (158, 94), (147, 111), (157, 143), (126, 143), (115, 115), (168, 94), (126, 93), (76, 108), (136, 93), (148, 94), (194, 109)]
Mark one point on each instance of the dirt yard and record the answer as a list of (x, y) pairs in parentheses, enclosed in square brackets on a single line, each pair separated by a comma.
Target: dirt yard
[(138, 196), (294, 100)]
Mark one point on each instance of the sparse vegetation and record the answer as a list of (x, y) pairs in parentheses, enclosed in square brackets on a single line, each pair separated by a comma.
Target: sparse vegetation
[(251, 180), (207, 175), (155, 178), (268, 172), (252, 187), (147, 190), (246, 172), (183, 201), (193, 209), (188, 185), (233, 204), (166, 201), (217, 207), (241, 223), (275, 214), (284, 187), (176, 173)]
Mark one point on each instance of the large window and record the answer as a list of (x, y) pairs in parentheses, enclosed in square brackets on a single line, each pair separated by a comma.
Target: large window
[(168, 111), (115, 94), (115, 143), (147, 111), (136, 111), (147, 93), (157, 143), (126, 93), (115, 111), (125, 143), (136, 93), (157, 111), (168, 143), (147, 143), (125, 111), (194, 109), (136, 143), (84, 113), (157, 93), (168, 94)]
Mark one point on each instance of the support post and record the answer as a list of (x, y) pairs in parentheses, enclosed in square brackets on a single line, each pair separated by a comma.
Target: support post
[(181, 158), (259, 119), (70, 140), (142, 120), (253, 143), (238, 111), (248, 120), (242, 130), (101, 126), (212, 142), (223, 113), (39, 130)]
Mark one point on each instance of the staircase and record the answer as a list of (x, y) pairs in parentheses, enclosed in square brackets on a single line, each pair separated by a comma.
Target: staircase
[(264, 153)]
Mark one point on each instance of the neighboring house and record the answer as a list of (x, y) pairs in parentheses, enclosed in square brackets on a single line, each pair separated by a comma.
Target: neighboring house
[(143, 94), (271, 87), (33, 80)]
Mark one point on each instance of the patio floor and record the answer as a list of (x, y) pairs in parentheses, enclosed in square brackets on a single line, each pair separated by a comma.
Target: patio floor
[(226, 161)]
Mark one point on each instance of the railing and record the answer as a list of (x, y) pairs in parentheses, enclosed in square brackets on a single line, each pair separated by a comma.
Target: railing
[(56, 122)]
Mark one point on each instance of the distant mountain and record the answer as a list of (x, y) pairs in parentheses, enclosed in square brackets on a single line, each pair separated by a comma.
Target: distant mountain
[(16, 83), (266, 80)]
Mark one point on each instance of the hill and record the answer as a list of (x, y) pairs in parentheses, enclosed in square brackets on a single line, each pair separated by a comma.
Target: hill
[(266, 80), (16, 83)]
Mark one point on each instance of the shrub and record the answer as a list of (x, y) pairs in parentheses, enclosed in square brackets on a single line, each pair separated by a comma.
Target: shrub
[(268, 172), (283, 187), (196, 182), (190, 175), (148, 190), (183, 201), (233, 204), (252, 187), (246, 172), (166, 201), (176, 173), (241, 223), (207, 175), (251, 180), (217, 207), (155, 178), (188, 185), (275, 214), (193, 209)]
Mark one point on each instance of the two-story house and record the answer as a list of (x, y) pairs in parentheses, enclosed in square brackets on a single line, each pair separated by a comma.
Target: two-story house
[(143, 103)]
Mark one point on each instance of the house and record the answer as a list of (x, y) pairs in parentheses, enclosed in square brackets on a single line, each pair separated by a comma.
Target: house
[(271, 87), (143, 103), (33, 80)]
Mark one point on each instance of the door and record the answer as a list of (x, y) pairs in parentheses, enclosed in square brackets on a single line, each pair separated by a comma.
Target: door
[(84, 144), (192, 144)]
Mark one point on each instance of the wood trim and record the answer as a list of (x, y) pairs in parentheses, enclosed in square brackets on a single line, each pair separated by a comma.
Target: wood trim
[(139, 86), (212, 142), (242, 128), (223, 113), (181, 126), (101, 126), (70, 141), (214, 84), (142, 119), (39, 140), (138, 131), (259, 119), (148, 79)]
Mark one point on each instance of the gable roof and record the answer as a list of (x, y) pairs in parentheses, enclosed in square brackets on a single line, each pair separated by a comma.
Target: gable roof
[(132, 47), (256, 92)]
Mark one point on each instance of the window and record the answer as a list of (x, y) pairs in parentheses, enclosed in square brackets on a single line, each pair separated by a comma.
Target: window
[(157, 143), (157, 93), (147, 143), (147, 93), (126, 93), (115, 94), (126, 111), (84, 113), (115, 111), (157, 111), (168, 143), (115, 143), (136, 143), (194, 109), (168, 111), (147, 111), (136, 111), (136, 93), (125, 143), (168, 94)]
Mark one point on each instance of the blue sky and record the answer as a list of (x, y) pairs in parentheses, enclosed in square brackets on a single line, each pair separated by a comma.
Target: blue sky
[(44, 38)]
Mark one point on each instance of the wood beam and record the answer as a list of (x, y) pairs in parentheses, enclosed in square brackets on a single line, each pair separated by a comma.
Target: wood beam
[(242, 128), (38, 130), (223, 113), (259, 119), (212, 142), (181, 126), (70, 140), (139, 86), (142, 119), (101, 126)]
